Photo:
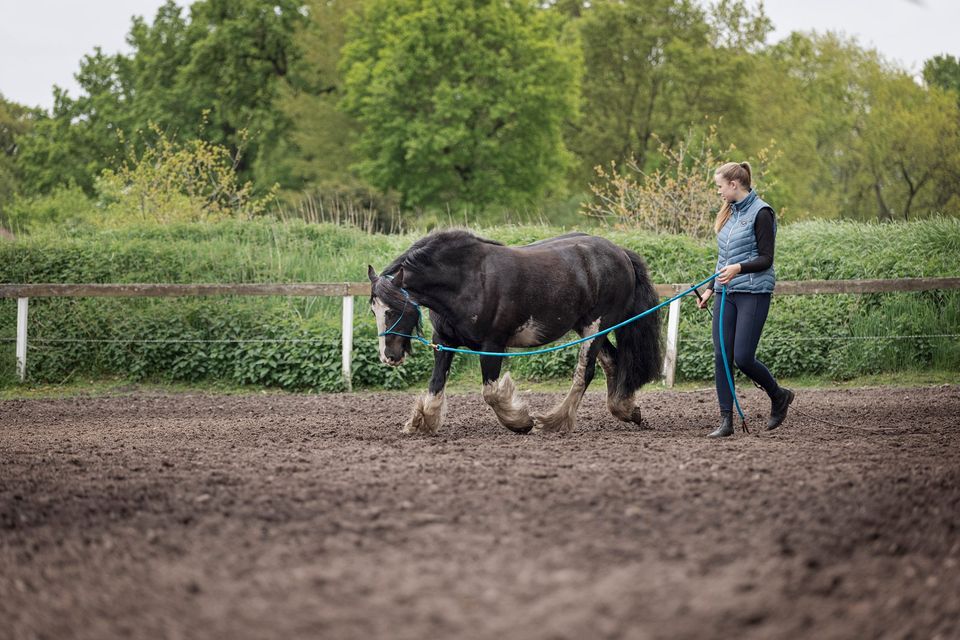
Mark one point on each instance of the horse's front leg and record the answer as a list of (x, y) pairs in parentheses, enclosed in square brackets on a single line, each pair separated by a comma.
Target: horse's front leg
[(500, 394), (563, 417), (430, 408)]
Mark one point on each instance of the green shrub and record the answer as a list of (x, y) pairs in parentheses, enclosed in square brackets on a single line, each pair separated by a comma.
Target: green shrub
[(294, 343)]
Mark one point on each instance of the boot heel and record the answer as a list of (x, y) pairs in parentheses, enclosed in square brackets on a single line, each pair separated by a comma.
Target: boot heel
[(779, 408), (725, 430)]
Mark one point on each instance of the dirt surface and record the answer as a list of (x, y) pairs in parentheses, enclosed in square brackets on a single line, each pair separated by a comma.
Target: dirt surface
[(273, 516)]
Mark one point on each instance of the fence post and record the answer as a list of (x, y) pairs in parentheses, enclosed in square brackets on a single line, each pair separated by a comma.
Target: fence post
[(22, 337), (673, 329), (347, 340)]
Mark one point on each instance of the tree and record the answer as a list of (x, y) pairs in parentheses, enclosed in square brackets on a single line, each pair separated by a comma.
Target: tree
[(860, 138), (943, 71), (656, 67), (76, 141), (15, 122), (240, 52), (217, 71), (804, 92), (460, 99), (908, 146), (316, 150)]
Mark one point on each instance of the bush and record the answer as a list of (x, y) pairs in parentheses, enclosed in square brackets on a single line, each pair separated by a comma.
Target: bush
[(679, 197), (195, 181), (66, 208)]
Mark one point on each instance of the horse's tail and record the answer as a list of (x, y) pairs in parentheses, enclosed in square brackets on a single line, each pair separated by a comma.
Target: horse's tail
[(639, 353)]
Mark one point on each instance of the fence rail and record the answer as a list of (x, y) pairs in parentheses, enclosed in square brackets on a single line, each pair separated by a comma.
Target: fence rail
[(347, 290)]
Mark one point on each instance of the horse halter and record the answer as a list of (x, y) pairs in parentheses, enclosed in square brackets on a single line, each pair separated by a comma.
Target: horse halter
[(407, 300)]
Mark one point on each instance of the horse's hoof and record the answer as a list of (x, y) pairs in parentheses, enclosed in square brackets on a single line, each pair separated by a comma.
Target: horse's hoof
[(523, 430), (549, 424), (417, 424)]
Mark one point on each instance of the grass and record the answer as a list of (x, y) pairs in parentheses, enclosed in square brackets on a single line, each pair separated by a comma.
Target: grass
[(113, 387)]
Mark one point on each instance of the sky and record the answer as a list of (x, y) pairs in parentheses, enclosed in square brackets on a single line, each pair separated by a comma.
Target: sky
[(42, 41)]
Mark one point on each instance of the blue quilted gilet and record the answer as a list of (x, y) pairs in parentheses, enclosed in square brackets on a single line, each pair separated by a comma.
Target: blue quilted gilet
[(737, 242)]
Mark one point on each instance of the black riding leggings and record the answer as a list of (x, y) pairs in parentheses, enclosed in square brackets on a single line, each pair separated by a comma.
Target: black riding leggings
[(743, 319)]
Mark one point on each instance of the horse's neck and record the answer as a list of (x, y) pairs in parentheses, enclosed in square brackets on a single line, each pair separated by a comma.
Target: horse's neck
[(453, 269), (431, 295), (435, 291)]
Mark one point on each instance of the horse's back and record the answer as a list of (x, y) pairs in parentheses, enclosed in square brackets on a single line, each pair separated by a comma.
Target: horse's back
[(556, 239), (562, 270), (594, 249)]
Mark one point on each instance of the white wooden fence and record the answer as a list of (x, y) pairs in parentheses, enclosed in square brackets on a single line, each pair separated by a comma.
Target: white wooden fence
[(347, 290)]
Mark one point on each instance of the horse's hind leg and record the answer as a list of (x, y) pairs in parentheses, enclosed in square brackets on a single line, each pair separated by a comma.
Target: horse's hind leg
[(563, 417), (431, 407), (500, 394), (607, 357), (621, 405)]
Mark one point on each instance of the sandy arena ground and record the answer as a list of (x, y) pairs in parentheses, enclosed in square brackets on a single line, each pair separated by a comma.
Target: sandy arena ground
[(279, 516)]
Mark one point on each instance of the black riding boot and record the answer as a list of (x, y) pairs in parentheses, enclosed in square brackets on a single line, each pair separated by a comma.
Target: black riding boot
[(779, 404), (725, 429)]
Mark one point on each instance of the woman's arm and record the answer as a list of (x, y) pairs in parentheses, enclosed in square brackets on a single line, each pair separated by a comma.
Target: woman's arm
[(763, 229)]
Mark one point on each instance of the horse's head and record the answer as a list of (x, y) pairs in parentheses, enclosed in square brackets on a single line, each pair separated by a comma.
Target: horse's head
[(396, 314)]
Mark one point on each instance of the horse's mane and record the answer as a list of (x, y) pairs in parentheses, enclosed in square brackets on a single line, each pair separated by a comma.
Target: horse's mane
[(421, 255)]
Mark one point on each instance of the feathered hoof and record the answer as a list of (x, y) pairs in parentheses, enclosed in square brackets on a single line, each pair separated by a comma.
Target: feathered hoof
[(427, 416), (625, 410), (501, 396), (553, 423), (416, 424)]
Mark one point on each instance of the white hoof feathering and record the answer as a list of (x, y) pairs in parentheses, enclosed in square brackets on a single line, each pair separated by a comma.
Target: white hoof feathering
[(624, 409), (428, 414), (500, 395), (563, 419)]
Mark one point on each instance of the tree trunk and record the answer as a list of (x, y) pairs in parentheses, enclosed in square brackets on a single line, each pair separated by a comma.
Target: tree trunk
[(884, 214)]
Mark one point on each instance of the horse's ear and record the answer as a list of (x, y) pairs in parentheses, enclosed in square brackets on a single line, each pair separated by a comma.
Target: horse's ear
[(371, 273), (398, 278)]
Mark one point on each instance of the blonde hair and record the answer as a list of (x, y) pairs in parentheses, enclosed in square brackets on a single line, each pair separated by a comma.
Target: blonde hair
[(730, 172)]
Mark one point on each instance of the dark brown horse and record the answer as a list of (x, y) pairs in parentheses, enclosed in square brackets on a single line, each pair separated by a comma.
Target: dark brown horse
[(485, 296)]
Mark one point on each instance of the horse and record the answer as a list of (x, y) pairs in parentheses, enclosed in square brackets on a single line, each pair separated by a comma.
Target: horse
[(485, 296)]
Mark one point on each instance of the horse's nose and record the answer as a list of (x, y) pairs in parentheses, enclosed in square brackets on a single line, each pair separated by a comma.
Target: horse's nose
[(387, 360)]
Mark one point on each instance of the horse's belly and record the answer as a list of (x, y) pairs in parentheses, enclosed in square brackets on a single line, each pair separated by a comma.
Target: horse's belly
[(529, 334)]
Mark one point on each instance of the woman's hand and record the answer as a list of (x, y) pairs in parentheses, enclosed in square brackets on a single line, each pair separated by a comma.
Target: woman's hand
[(728, 273), (702, 300)]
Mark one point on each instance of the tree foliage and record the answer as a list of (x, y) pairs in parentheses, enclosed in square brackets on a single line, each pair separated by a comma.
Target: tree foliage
[(449, 104), (859, 138), (653, 68), (315, 151), (943, 71), (15, 123), (219, 68), (460, 99)]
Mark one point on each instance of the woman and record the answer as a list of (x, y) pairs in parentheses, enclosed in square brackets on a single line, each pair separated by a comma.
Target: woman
[(746, 231)]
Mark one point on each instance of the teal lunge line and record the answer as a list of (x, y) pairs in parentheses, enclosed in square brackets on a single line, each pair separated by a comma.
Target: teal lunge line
[(514, 354)]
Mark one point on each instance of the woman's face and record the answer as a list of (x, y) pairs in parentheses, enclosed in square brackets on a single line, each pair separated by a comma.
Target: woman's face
[(727, 189)]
